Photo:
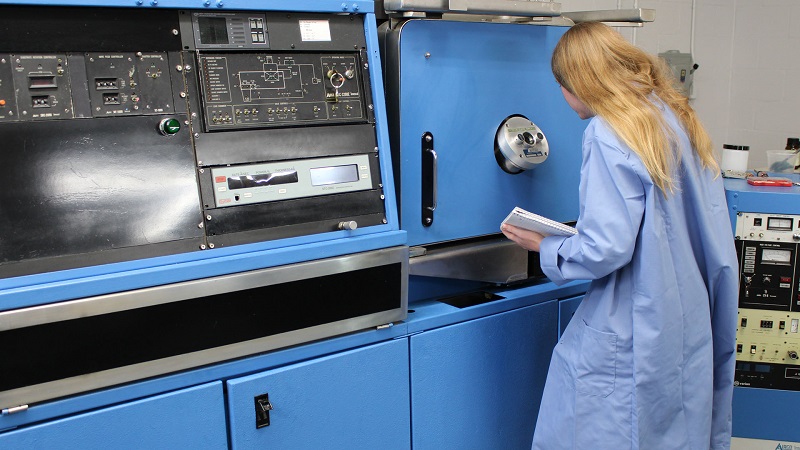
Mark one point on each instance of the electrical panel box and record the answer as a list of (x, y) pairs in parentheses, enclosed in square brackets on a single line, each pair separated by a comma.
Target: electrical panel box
[(683, 67), (768, 328)]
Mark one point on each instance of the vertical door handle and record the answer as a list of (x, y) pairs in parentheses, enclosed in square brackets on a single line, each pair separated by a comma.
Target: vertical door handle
[(429, 179)]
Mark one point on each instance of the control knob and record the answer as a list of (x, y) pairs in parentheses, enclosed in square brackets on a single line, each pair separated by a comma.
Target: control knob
[(348, 225), (767, 279)]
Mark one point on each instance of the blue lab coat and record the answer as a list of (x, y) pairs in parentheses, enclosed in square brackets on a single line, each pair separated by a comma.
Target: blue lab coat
[(647, 361)]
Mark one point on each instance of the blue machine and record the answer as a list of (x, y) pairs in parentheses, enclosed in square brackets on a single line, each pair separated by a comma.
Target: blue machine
[(202, 244), (766, 223), (185, 179)]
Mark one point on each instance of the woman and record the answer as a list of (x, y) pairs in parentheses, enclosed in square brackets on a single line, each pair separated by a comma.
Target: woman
[(647, 361)]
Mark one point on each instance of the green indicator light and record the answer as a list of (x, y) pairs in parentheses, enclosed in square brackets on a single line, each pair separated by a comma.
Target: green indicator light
[(168, 127)]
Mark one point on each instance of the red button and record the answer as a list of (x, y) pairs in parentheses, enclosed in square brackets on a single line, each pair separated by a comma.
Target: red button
[(220, 179)]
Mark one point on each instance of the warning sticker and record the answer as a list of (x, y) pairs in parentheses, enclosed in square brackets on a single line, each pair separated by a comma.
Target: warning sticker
[(315, 30)]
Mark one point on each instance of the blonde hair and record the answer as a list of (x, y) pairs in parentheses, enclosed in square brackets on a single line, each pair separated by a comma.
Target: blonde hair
[(615, 80)]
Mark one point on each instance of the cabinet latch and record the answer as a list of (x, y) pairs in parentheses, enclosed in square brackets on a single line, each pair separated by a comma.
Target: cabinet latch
[(263, 407)]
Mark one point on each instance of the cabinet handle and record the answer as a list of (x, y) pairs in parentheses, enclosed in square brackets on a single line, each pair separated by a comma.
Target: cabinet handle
[(430, 192)]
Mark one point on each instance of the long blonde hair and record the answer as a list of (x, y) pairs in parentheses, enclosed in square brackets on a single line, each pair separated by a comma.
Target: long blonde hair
[(615, 80)]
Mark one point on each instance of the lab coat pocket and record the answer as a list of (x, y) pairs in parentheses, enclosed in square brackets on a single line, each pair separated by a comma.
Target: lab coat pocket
[(596, 362)]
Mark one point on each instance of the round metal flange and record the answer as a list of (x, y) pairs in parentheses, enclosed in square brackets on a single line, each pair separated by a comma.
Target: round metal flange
[(519, 145)]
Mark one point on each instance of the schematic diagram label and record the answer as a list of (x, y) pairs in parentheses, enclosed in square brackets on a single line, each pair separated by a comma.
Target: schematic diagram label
[(258, 90)]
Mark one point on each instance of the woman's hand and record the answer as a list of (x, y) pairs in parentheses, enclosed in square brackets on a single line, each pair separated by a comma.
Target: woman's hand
[(529, 240)]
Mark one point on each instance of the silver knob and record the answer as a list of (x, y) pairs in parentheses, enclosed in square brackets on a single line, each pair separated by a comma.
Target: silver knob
[(348, 225)]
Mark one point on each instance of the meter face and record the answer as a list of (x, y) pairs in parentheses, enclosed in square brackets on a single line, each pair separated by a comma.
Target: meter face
[(779, 223), (776, 256)]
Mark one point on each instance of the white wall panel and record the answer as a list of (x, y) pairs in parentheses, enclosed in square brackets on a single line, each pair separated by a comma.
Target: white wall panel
[(747, 88)]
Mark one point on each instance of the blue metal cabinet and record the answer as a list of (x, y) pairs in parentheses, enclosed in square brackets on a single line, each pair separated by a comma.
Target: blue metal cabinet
[(478, 384), (765, 414), (352, 400), (189, 418), (759, 413)]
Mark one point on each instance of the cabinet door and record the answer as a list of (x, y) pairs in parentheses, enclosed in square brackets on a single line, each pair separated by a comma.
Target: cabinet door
[(190, 418), (352, 400), (478, 384)]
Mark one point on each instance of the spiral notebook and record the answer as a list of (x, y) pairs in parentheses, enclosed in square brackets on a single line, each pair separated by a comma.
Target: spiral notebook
[(534, 222)]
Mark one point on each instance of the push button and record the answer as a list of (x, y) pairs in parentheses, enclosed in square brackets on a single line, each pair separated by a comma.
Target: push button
[(169, 127)]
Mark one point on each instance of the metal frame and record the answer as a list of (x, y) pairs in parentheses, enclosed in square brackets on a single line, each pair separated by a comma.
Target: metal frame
[(193, 289)]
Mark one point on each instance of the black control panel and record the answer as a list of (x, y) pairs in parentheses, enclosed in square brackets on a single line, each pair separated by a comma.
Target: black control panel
[(114, 121), (768, 328)]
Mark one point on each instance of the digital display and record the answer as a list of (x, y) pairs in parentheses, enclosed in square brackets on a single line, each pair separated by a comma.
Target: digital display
[(762, 368), (213, 30), (261, 180), (776, 256), (42, 81), (321, 176), (779, 223)]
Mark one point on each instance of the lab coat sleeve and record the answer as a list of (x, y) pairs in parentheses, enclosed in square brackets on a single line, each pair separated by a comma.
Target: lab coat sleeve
[(612, 198)]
